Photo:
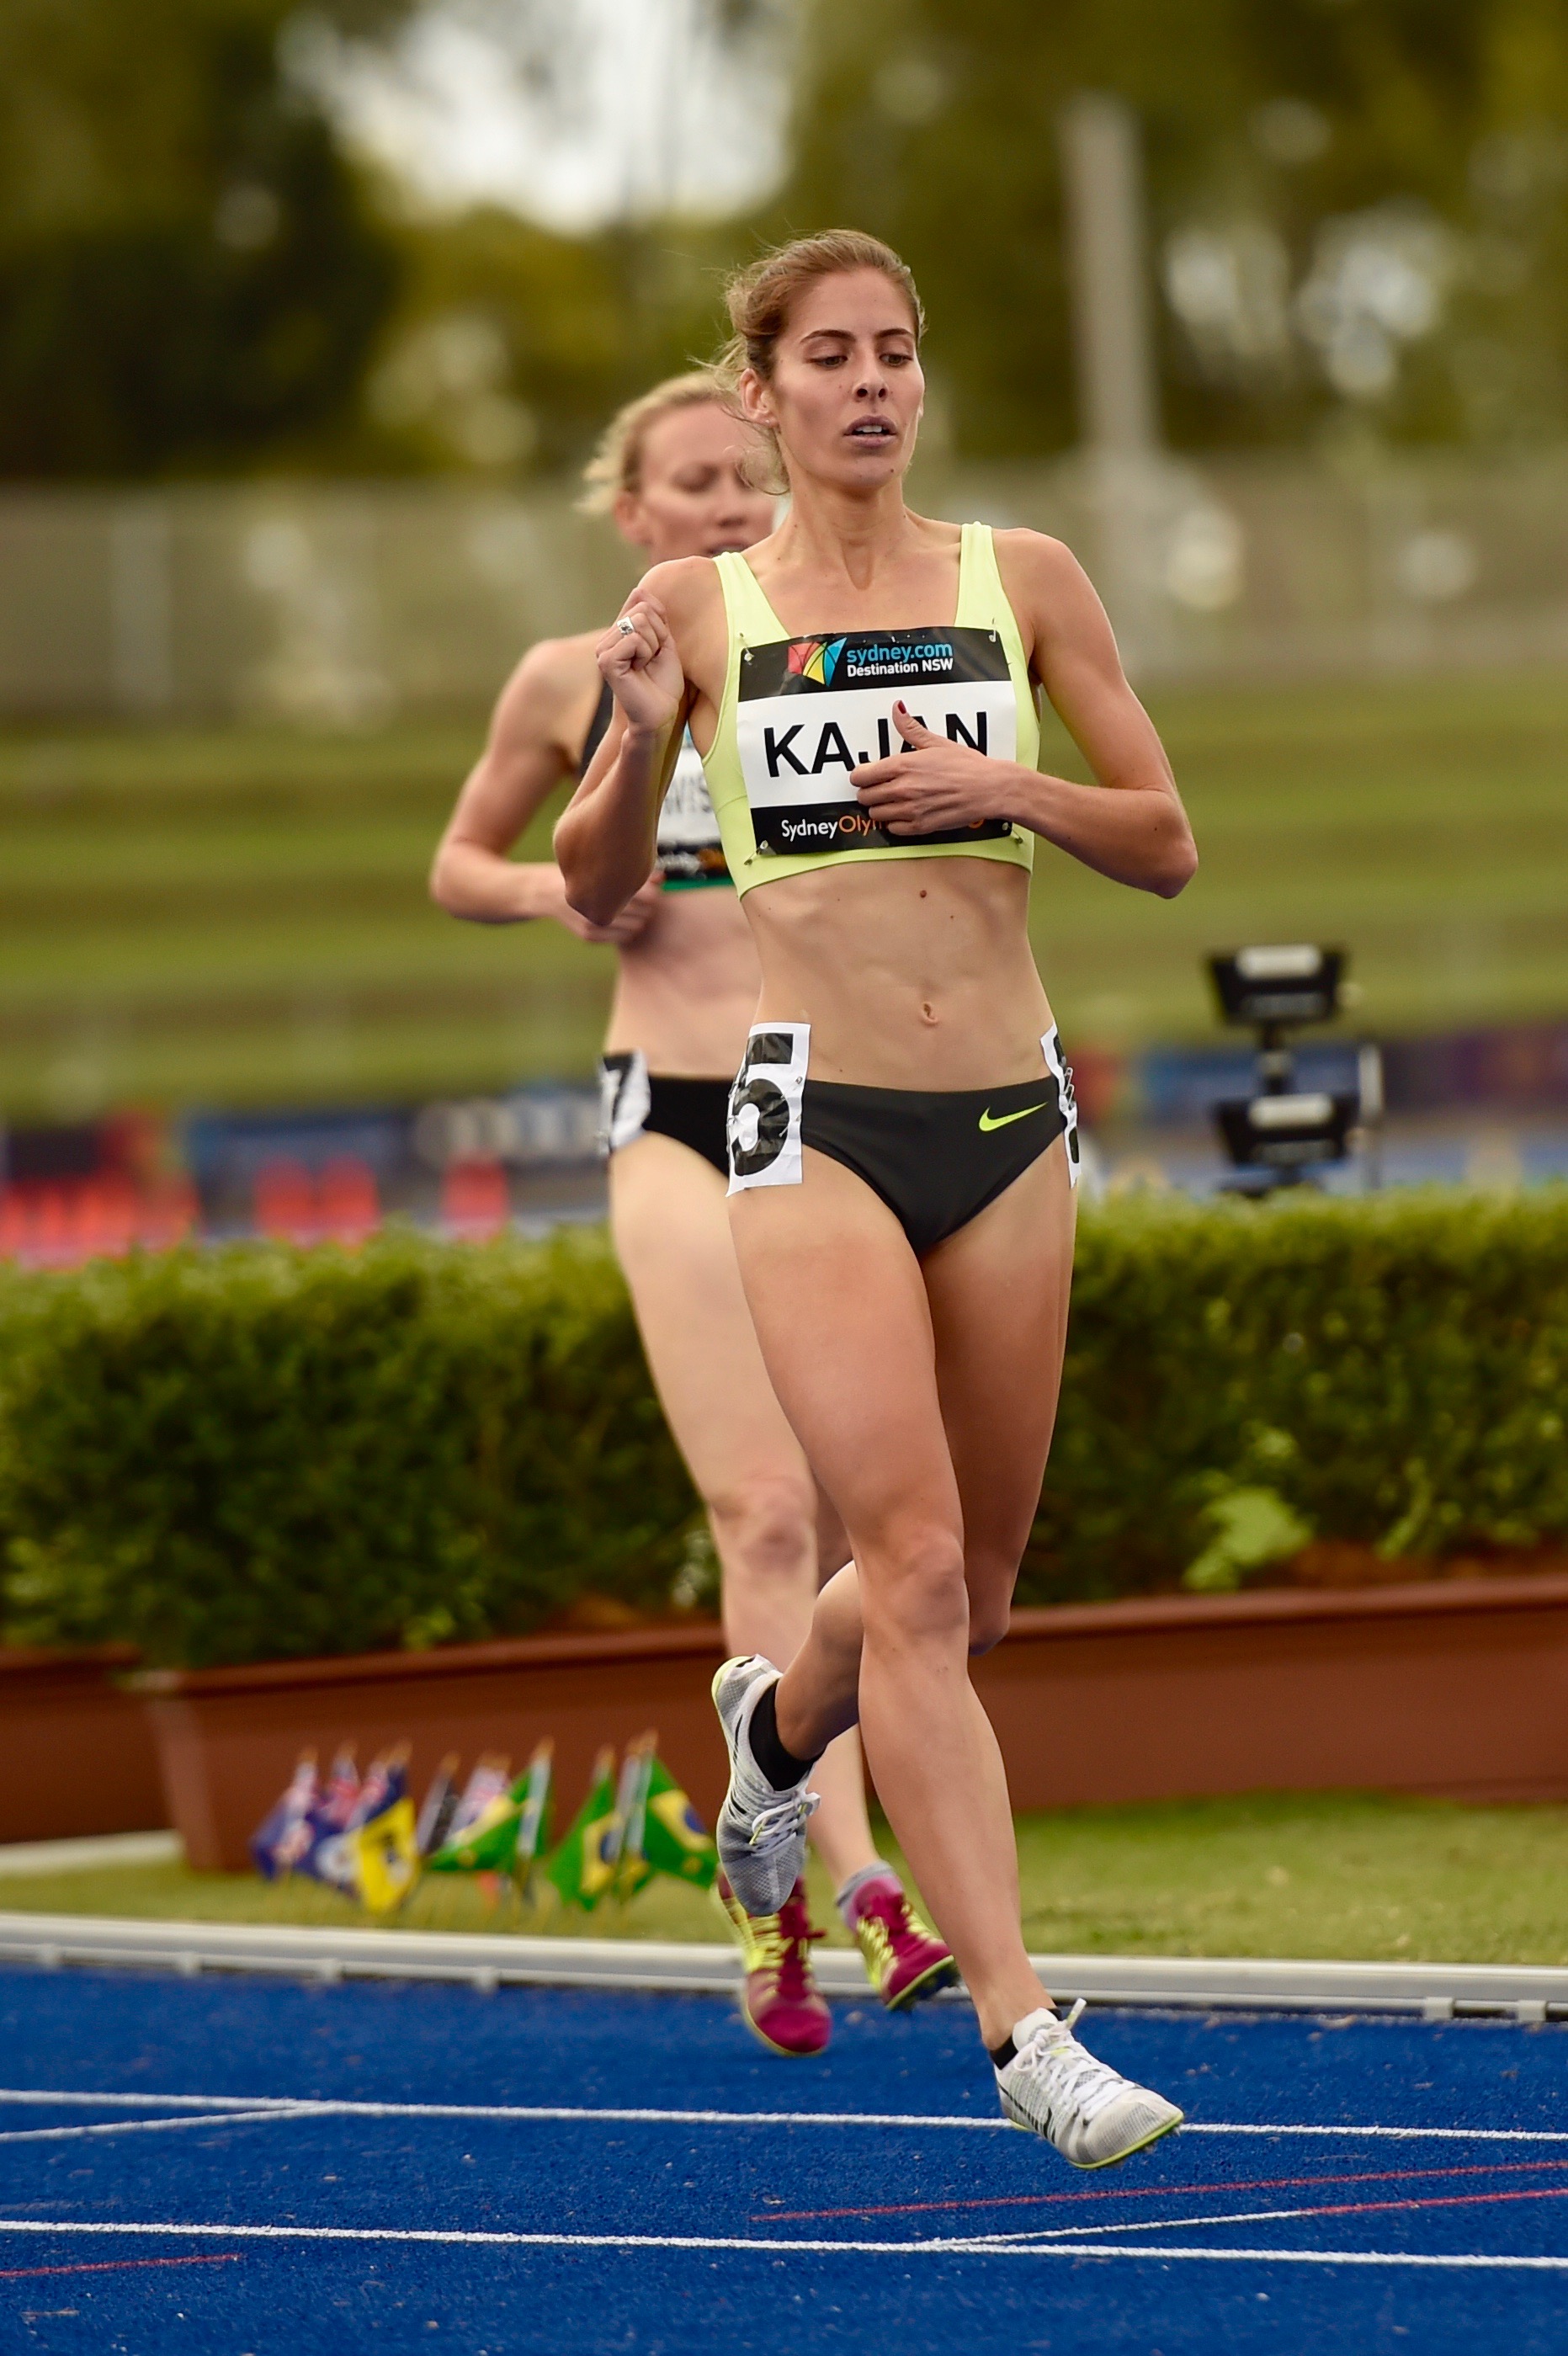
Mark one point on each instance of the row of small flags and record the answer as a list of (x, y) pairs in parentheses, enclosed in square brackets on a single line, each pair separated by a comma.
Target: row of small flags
[(362, 1837)]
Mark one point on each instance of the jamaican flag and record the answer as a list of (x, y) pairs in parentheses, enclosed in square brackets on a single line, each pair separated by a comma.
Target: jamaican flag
[(583, 1868), (673, 1837)]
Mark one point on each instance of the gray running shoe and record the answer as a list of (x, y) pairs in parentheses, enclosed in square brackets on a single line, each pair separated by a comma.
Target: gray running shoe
[(761, 1830), (1093, 2114)]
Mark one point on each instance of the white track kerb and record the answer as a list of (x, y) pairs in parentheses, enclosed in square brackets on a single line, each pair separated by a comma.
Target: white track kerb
[(1433, 1991)]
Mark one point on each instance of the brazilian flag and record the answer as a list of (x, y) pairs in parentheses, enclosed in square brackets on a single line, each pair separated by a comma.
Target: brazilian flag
[(583, 1868), (675, 1840), (487, 1845)]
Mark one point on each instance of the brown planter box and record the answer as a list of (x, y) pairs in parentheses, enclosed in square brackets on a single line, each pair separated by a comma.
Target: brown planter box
[(228, 1737), (1453, 1688), (77, 1755)]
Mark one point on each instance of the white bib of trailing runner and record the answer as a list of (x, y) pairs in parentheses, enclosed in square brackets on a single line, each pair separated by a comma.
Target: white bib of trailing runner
[(689, 846)]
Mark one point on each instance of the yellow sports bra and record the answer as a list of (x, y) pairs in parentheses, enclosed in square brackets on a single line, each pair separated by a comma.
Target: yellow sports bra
[(798, 715)]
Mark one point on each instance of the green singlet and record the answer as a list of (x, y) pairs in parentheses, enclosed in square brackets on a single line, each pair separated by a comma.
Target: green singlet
[(800, 713)]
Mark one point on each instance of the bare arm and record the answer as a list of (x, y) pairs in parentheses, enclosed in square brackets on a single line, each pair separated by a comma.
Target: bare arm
[(603, 837), (526, 755), (1130, 825)]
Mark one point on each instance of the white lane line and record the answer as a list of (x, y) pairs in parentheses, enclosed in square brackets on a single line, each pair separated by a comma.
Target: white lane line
[(311, 2106), (152, 2126), (1160, 2254), (1393, 2134), (50, 2097)]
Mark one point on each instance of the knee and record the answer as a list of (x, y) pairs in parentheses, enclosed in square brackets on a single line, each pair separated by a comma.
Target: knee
[(912, 1587), (992, 1571), (989, 1621), (765, 1530)]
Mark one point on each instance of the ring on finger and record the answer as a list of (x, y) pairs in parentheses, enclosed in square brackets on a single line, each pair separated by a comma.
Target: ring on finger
[(628, 629)]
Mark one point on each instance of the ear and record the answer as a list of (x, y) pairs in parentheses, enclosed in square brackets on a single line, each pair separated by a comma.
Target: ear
[(630, 520), (756, 404)]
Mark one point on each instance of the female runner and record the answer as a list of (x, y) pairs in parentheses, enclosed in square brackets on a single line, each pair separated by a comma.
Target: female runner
[(669, 469), (902, 1132)]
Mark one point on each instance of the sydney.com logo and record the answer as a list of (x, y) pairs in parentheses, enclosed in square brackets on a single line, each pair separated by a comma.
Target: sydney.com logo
[(815, 659)]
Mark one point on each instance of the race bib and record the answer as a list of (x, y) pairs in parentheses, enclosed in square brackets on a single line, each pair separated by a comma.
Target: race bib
[(813, 710), (689, 846), (1060, 1071), (763, 1127)]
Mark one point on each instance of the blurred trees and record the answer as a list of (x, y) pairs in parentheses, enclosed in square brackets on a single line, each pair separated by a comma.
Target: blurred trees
[(1359, 209), (1359, 223), (512, 344), (190, 274)]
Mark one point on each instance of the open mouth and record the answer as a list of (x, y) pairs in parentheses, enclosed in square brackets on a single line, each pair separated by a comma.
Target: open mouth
[(874, 429)]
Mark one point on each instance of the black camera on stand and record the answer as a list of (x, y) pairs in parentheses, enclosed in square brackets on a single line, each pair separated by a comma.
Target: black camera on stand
[(1280, 1134)]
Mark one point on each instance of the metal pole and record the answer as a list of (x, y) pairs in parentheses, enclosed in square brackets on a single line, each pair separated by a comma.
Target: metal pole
[(1117, 400), (1114, 351)]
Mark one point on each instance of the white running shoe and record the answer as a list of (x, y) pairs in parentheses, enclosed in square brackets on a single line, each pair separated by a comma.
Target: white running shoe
[(1091, 2113), (761, 1830)]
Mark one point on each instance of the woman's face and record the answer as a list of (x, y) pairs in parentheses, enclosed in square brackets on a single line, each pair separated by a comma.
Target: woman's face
[(846, 392), (692, 499)]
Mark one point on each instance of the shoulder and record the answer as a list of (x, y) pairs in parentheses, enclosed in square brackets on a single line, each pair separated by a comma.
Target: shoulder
[(1038, 564), (688, 587), (1058, 611), (547, 690)]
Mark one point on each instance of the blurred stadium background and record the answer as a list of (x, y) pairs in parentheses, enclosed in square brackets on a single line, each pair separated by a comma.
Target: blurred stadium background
[(307, 318)]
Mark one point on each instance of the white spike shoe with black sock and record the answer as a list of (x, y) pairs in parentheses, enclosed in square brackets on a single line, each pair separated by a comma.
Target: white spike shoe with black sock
[(1091, 2113), (761, 1832)]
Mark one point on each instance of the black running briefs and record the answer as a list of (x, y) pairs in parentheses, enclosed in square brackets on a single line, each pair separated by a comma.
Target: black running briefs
[(936, 1159)]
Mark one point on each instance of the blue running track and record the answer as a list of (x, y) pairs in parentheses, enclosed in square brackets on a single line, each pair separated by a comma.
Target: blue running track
[(265, 2169)]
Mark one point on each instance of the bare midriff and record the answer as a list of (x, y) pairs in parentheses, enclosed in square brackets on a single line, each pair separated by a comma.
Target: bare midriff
[(912, 973), (686, 990)]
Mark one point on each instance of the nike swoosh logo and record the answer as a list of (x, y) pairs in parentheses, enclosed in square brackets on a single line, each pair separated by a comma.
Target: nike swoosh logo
[(989, 1120)]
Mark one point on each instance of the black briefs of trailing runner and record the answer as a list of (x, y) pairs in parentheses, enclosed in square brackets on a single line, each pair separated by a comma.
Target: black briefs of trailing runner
[(936, 1157), (692, 1112), (780, 1767)]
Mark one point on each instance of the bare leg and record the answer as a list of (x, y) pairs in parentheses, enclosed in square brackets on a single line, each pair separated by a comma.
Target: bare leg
[(673, 1240), (868, 1353)]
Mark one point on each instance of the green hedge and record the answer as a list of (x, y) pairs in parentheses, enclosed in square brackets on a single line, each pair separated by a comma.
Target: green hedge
[(1394, 1367), (257, 1453), (233, 1455)]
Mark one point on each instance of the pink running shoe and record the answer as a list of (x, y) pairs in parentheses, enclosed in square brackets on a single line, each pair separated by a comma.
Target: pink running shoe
[(779, 1997), (905, 1961)]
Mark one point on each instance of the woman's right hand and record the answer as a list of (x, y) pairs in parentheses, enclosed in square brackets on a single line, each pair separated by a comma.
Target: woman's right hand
[(641, 665)]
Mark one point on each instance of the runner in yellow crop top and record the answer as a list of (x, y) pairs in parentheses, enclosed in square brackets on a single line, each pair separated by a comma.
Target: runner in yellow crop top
[(899, 1132), (801, 716)]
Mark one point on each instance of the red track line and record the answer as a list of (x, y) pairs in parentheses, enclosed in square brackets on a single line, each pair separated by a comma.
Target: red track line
[(117, 2266), (1161, 2191), (1440, 2200)]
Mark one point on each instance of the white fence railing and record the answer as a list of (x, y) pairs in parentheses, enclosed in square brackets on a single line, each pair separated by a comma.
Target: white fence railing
[(335, 604)]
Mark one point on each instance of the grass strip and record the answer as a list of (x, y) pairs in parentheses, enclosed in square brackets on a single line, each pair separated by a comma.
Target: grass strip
[(1343, 1876)]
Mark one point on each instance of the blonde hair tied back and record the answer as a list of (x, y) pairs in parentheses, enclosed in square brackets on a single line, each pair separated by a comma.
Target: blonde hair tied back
[(617, 464), (762, 296)]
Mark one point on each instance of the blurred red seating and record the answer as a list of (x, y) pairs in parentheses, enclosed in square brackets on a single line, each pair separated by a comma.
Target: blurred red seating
[(344, 1205), (475, 1202)]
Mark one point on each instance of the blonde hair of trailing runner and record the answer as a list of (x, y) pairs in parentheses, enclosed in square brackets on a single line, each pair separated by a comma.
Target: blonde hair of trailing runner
[(761, 299), (617, 464)]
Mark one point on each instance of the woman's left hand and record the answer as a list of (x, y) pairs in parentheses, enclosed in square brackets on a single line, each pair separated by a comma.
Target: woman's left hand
[(931, 786)]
